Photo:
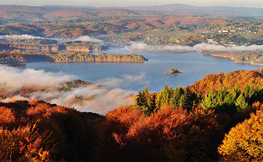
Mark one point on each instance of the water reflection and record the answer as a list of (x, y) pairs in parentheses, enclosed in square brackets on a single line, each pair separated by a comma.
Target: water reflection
[(18, 65)]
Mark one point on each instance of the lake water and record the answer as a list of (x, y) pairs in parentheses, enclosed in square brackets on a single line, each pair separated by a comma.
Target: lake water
[(135, 76)]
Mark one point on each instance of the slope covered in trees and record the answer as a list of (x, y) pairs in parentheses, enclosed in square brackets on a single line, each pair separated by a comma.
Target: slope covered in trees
[(217, 118), (15, 57), (255, 57), (153, 27), (39, 44), (37, 131), (244, 141), (11, 59), (72, 22), (227, 99), (72, 56)]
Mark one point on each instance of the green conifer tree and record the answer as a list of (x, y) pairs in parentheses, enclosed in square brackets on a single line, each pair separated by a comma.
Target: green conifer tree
[(236, 92), (158, 99), (250, 94), (221, 94), (241, 102), (171, 92), (166, 96), (139, 99), (146, 97), (152, 104), (143, 102), (209, 102)]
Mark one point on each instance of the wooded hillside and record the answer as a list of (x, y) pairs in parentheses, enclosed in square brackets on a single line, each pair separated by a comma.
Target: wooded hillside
[(209, 120)]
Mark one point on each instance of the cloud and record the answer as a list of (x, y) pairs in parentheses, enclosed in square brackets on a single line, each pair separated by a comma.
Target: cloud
[(213, 47), (60, 40), (203, 46), (107, 102), (103, 98), (18, 97), (18, 37), (88, 38), (124, 80), (14, 78), (81, 38), (135, 78), (110, 82)]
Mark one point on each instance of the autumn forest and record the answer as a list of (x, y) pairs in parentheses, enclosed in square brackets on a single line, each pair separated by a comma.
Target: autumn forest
[(50, 115), (217, 118)]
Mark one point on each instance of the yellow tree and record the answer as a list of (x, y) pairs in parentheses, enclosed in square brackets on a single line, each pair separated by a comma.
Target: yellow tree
[(244, 142)]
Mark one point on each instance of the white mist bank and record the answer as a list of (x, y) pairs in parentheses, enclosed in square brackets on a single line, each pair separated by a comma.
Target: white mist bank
[(60, 40), (125, 80), (80, 38), (198, 47), (14, 78), (104, 98), (18, 37), (88, 38), (143, 46)]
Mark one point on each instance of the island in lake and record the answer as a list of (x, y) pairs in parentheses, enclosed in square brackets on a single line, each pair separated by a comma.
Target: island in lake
[(173, 72)]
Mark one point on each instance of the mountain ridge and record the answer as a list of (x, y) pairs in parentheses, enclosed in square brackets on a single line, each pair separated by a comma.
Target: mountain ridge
[(174, 8)]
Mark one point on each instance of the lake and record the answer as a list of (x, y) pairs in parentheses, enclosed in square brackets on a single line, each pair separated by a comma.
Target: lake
[(133, 77)]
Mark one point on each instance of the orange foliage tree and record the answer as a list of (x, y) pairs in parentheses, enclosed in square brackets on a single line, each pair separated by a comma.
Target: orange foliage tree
[(244, 142), (229, 80), (6, 115), (23, 144), (38, 131), (167, 134)]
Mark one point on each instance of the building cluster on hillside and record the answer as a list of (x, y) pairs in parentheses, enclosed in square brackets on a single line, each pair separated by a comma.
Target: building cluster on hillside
[(162, 40), (115, 41), (232, 29), (211, 41), (236, 29)]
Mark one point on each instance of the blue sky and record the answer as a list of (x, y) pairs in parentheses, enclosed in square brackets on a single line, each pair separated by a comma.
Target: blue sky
[(120, 3)]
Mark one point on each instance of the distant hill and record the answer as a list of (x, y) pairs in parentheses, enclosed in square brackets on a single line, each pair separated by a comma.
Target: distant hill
[(18, 13), (72, 21), (66, 14), (221, 10)]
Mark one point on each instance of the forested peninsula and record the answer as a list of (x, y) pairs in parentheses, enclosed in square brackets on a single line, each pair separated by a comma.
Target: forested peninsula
[(9, 59), (41, 44), (17, 57), (251, 57), (72, 56)]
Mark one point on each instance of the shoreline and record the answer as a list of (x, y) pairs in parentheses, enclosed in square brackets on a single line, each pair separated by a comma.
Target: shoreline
[(237, 62), (111, 61), (215, 55), (174, 73), (252, 63), (14, 64)]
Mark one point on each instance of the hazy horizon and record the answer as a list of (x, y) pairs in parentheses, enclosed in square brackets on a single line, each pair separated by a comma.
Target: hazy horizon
[(125, 3)]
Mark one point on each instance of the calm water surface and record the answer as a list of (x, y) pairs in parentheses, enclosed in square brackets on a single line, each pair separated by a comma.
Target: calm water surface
[(135, 76)]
